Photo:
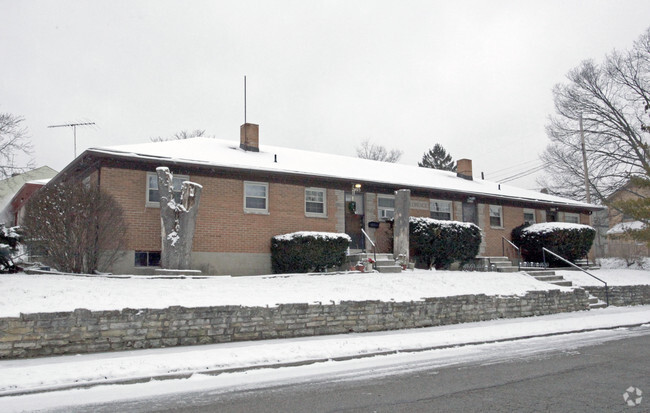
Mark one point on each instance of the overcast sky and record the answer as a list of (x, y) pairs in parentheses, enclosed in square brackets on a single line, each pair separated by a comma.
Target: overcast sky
[(475, 76)]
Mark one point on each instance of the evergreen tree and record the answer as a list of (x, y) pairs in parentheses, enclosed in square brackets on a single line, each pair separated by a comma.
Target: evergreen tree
[(438, 158)]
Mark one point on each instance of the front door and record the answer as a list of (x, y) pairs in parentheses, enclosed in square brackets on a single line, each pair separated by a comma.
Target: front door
[(470, 214), (354, 220)]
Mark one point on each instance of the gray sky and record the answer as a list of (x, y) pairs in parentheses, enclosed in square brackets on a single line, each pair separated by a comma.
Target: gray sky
[(475, 76)]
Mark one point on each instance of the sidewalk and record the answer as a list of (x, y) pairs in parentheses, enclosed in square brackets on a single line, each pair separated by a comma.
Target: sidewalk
[(64, 372)]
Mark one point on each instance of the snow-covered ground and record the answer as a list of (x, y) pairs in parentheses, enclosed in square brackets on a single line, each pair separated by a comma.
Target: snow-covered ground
[(23, 293)]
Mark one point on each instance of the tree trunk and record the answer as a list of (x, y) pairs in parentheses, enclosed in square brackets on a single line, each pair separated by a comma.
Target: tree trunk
[(177, 220)]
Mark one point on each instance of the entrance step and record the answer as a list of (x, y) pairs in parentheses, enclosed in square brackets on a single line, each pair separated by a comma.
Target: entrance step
[(385, 262), (549, 276), (499, 264), (594, 303)]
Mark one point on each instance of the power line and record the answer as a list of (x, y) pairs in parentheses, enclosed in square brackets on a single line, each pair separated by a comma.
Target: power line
[(523, 173), (497, 172), (74, 128)]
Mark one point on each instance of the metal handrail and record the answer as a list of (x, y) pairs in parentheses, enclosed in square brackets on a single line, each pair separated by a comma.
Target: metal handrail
[(503, 250), (374, 249), (545, 250)]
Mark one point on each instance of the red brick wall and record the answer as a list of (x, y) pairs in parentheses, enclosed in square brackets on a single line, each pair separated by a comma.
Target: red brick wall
[(222, 225)]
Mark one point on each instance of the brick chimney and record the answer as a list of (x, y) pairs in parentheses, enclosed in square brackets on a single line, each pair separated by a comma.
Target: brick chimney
[(249, 137), (464, 169)]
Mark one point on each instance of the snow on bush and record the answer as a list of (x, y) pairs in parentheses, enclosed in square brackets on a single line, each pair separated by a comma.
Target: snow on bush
[(570, 241), (306, 251), (437, 243)]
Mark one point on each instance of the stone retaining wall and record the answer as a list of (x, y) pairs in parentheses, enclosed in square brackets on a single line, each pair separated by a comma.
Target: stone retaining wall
[(623, 295), (84, 331)]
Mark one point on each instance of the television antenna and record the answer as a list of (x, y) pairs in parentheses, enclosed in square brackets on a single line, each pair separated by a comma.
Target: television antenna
[(74, 128)]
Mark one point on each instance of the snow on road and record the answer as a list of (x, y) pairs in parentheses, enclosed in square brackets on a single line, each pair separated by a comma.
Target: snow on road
[(61, 372)]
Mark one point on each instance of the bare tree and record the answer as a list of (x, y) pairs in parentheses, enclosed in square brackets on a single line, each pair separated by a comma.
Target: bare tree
[(438, 158), (181, 135), (14, 140), (81, 229), (611, 98), (369, 150)]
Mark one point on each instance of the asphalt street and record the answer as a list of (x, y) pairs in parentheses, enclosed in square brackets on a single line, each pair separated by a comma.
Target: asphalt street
[(587, 372)]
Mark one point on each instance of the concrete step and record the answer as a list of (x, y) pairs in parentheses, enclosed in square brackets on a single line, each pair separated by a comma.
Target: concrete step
[(390, 269), (563, 283), (509, 268), (385, 263), (364, 256), (495, 260), (597, 305), (535, 273), (548, 278), (594, 303)]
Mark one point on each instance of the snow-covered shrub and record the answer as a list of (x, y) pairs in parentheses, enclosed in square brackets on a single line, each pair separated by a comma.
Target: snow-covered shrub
[(439, 243), (308, 251), (571, 241), (9, 239)]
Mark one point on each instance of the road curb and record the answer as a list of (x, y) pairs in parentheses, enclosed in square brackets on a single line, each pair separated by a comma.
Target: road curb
[(216, 372)]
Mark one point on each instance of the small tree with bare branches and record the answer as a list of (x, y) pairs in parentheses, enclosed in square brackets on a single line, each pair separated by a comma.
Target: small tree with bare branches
[(80, 228), (14, 140), (375, 152)]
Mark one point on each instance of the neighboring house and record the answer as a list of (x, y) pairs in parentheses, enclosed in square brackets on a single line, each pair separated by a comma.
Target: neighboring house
[(619, 244), (252, 192), (10, 186), (15, 210)]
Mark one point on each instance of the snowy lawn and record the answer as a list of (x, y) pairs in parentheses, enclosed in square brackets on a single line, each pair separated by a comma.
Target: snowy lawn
[(23, 293), (611, 277)]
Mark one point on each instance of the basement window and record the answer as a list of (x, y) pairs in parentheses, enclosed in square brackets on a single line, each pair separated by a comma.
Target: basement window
[(147, 259), (153, 197)]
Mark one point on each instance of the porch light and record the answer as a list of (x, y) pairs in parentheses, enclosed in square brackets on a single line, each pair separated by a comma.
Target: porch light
[(356, 188)]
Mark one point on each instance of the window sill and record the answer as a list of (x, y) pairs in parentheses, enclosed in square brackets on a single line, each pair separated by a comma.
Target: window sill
[(493, 227), (152, 204), (307, 215), (256, 212)]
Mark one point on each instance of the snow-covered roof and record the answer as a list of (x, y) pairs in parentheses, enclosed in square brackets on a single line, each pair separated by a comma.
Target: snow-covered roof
[(623, 227), (227, 154)]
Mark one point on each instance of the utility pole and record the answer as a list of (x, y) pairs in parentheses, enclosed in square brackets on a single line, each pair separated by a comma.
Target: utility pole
[(74, 128), (584, 161)]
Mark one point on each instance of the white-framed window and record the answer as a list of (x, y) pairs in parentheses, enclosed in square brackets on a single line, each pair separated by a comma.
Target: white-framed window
[(256, 197), (153, 197), (529, 216), (571, 217), (385, 207), (315, 202), (439, 209), (496, 216)]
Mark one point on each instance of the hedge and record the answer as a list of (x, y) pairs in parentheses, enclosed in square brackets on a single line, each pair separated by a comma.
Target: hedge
[(439, 243), (308, 251), (570, 241)]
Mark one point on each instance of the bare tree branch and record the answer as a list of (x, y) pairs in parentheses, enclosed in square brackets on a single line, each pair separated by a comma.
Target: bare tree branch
[(14, 140), (374, 152)]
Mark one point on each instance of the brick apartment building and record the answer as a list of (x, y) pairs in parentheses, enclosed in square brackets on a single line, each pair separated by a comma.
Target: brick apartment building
[(252, 192)]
